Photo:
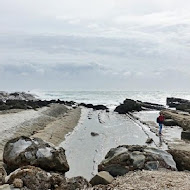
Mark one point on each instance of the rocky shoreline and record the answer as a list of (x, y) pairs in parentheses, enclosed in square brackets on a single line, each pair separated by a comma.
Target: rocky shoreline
[(29, 151)]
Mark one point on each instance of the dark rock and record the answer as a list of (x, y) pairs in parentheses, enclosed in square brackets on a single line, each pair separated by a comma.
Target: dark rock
[(23, 151), (101, 178), (132, 157), (170, 122), (117, 170), (185, 135), (128, 106), (174, 102), (149, 140), (100, 107), (94, 134), (184, 107)]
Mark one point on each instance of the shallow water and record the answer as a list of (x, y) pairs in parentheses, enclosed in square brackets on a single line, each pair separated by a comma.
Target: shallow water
[(84, 152)]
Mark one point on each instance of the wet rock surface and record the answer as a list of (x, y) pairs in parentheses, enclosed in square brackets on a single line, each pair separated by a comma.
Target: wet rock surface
[(23, 151), (134, 157)]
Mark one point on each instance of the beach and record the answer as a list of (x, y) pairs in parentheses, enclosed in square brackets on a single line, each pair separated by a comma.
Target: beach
[(48, 123)]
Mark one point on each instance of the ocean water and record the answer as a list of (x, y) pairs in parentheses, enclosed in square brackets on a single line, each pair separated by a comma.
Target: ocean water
[(110, 98)]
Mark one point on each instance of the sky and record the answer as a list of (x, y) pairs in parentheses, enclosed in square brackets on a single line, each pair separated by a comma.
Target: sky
[(95, 44)]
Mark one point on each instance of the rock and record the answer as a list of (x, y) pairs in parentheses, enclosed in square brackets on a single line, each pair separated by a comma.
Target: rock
[(149, 140), (117, 170), (74, 184), (151, 106), (94, 107), (152, 165), (94, 134), (185, 135), (24, 151), (3, 174), (169, 122), (99, 107), (128, 106), (134, 157), (181, 158), (182, 119), (18, 183), (184, 107), (102, 178), (5, 187), (32, 177), (174, 102)]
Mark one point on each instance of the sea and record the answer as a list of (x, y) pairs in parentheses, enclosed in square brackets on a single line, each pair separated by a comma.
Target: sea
[(111, 99)]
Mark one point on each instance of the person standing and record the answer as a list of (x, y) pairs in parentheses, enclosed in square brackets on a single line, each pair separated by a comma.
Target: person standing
[(160, 121)]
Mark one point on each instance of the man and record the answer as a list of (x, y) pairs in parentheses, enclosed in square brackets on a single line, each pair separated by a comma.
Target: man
[(160, 121)]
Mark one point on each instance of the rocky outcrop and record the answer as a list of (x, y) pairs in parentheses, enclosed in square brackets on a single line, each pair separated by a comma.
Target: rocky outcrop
[(122, 159), (174, 102), (180, 118), (181, 157), (131, 105), (128, 106), (24, 151), (103, 178), (152, 106)]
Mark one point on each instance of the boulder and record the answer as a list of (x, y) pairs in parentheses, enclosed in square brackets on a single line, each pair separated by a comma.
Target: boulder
[(170, 122), (31, 177), (185, 135), (181, 157), (134, 157), (182, 119), (24, 151), (101, 178), (128, 106), (184, 107), (174, 102)]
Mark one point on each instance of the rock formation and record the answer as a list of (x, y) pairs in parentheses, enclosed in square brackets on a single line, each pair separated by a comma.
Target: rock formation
[(123, 159), (24, 151)]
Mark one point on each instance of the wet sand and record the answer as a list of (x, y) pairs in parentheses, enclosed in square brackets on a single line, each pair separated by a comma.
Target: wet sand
[(49, 123)]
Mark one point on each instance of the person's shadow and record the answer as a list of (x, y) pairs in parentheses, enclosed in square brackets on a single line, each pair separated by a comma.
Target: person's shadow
[(160, 140)]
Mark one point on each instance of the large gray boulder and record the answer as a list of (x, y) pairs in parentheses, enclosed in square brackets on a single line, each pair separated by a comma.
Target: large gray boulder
[(134, 157), (24, 151)]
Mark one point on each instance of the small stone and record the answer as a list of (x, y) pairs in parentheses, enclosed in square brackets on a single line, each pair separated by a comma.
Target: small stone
[(94, 134), (18, 183), (149, 140)]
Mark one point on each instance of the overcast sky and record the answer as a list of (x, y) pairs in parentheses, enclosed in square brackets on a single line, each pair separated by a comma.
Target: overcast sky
[(95, 44)]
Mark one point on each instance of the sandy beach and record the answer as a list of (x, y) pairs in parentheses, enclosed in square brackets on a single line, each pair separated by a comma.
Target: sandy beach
[(48, 123)]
